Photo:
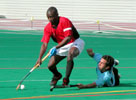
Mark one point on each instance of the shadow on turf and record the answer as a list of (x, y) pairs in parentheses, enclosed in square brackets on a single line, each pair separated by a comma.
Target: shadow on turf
[(75, 88), (127, 85), (121, 85)]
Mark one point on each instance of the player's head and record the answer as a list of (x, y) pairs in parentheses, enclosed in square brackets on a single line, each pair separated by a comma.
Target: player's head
[(52, 15), (106, 63)]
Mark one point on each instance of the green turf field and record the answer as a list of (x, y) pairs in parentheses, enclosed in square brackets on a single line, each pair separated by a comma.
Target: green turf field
[(19, 51)]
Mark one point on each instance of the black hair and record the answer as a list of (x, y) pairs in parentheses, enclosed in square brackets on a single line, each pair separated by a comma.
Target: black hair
[(110, 60), (52, 9)]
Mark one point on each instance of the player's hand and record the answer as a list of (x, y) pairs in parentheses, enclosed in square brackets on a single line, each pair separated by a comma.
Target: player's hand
[(80, 86), (39, 61), (90, 52), (53, 51)]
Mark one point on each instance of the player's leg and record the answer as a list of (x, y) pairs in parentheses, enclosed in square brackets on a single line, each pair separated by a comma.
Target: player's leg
[(73, 52), (116, 74), (116, 62), (52, 67), (117, 77)]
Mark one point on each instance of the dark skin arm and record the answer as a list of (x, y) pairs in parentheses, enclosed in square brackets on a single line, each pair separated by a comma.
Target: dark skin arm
[(92, 85), (42, 51), (44, 47), (64, 42), (90, 52)]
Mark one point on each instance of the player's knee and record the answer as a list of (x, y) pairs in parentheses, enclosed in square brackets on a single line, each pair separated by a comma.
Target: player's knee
[(73, 52), (69, 57), (50, 66)]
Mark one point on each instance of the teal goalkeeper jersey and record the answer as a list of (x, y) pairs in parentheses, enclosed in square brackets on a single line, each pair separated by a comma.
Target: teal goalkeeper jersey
[(106, 78)]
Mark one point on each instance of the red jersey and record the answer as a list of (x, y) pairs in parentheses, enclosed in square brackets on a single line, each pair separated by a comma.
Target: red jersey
[(65, 28)]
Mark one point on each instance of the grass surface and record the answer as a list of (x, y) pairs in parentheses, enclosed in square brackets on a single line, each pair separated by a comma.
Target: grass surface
[(19, 51)]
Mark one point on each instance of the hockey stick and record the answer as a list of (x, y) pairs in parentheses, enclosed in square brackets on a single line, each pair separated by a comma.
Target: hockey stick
[(37, 65), (62, 86)]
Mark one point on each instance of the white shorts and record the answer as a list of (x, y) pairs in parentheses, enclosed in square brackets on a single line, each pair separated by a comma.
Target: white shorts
[(78, 43)]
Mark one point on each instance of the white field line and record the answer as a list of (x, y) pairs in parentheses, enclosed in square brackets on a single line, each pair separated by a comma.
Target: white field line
[(117, 27)]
